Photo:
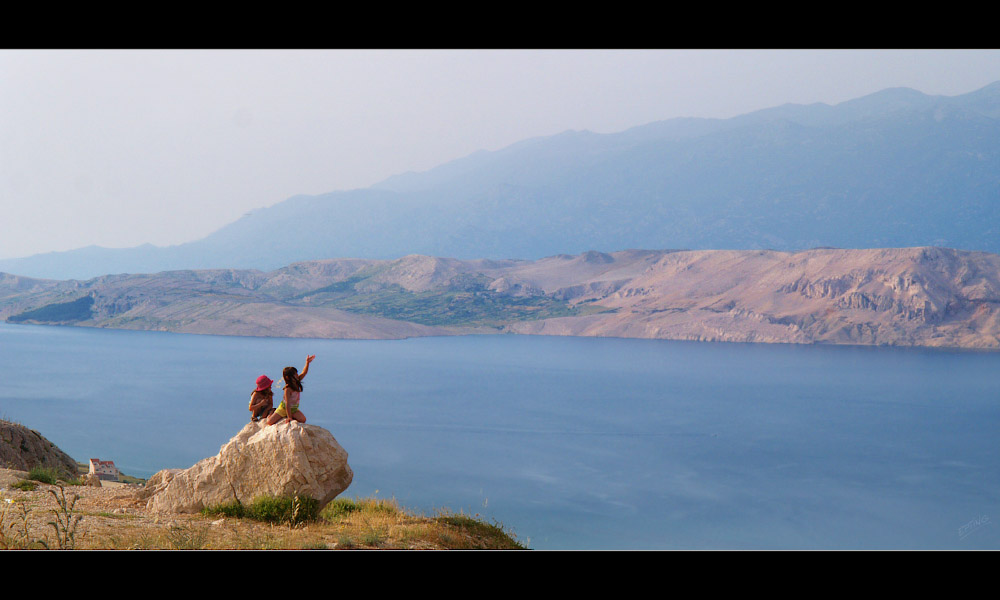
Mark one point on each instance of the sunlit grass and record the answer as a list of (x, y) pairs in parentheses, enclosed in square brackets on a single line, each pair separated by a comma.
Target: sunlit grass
[(344, 524)]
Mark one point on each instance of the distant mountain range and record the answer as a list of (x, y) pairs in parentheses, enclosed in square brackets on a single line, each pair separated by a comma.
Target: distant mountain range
[(896, 168), (898, 296)]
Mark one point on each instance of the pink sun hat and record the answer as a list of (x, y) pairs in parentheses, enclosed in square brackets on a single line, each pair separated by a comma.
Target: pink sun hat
[(263, 383)]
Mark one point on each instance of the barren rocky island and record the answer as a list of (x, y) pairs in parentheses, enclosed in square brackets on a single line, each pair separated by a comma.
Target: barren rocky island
[(925, 296)]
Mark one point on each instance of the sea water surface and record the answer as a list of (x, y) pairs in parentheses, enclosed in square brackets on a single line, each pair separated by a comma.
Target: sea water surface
[(574, 443)]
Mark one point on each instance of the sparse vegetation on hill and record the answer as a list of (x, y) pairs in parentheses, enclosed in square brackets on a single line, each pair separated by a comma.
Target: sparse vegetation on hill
[(53, 517), (469, 307), (371, 523)]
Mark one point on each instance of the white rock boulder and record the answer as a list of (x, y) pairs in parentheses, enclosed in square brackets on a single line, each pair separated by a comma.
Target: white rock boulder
[(280, 460)]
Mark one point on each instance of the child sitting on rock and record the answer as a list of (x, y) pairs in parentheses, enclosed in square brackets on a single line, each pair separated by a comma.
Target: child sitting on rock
[(262, 399), (289, 407)]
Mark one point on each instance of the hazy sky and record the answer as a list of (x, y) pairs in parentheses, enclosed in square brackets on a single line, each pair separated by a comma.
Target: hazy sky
[(120, 148)]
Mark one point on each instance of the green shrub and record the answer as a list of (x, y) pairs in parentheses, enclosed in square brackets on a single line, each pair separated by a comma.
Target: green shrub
[(44, 474), (233, 509), (270, 509), (281, 509), (25, 485), (489, 535), (340, 507)]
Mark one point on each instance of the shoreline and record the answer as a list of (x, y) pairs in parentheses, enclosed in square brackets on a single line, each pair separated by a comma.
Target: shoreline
[(817, 343)]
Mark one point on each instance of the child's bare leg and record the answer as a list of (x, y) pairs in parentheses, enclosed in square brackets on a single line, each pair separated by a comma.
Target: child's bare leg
[(274, 418), (298, 416)]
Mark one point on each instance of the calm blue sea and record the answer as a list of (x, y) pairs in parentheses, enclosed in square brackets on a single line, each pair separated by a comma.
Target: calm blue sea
[(574, 443)]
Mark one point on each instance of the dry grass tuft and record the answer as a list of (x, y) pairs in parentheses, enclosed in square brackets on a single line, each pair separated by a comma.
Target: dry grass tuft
[(378, 523)]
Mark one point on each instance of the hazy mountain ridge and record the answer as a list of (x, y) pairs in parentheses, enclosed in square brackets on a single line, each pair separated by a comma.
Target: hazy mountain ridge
[(925, 296), (897, 168)]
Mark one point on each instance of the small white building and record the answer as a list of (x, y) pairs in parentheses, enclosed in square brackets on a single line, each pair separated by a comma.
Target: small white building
[(104, 469)]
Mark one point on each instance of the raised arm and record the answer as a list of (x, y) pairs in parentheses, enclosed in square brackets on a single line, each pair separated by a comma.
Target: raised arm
[(305, 369)]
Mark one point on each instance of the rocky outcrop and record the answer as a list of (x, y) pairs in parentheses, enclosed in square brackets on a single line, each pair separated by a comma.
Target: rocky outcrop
[(513, 287), (91, 480), (280, 460), (23, 449)]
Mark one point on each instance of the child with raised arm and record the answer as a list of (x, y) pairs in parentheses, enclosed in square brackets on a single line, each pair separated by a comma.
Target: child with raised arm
[(289, 407)]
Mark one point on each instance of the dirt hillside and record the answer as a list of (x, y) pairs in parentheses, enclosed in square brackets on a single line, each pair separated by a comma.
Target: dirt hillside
[(22, 449)]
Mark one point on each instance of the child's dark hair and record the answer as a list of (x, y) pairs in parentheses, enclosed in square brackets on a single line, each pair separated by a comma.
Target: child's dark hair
[(291, 377), (269, 393)]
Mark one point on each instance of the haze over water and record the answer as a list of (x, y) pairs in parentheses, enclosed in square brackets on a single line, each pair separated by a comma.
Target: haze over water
[(572, 442)]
